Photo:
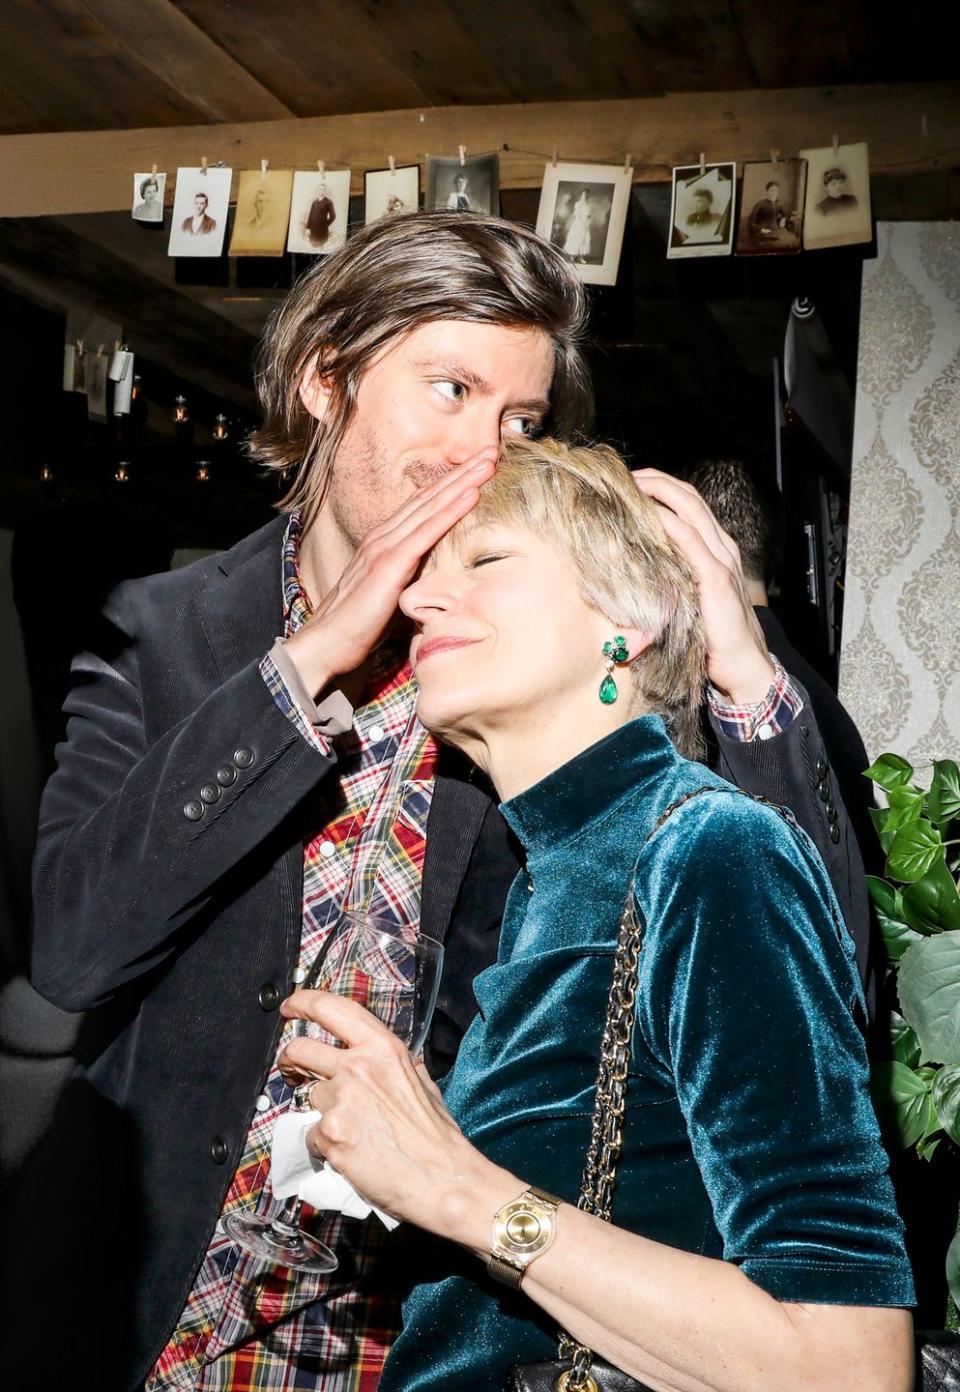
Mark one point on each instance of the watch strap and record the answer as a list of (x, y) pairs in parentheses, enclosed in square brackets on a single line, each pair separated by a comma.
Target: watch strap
[(511, 1273)]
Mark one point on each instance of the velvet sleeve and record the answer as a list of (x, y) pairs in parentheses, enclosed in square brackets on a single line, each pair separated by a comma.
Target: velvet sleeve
[(748, 999)]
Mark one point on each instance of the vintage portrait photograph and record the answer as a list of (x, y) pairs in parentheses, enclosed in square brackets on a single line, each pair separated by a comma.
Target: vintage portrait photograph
[(701, 213), (771, 207), (262, 213), (583, 211), (147, 205), (201, 203), (837, 209), (387, 192), (470, 187), (319, 212)]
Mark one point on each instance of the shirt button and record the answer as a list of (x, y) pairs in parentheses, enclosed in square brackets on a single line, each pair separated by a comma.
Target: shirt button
[(375, 734), (193, 810), (219, 1150), (268, 996), (299, 975), (327, 849), (226, 775), (243, 758), (210, 792), (765, 731), (263, 1103)]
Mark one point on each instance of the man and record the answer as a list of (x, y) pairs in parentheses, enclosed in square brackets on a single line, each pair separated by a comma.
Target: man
[(200, 223), (750, 510), (321, 217), (242, 749), (836, 199)]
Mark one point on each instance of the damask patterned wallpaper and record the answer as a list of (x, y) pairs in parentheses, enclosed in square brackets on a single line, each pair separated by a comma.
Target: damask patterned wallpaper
[(900, 659)]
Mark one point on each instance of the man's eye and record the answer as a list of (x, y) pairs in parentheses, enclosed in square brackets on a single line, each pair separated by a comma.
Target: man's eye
[(453, 391), (521, 425)]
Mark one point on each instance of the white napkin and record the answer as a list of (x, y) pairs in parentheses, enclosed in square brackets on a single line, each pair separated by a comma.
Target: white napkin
[(294, 1171)]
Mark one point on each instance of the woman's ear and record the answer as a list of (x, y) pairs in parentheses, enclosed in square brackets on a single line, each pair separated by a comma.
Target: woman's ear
[(636, 640), (314, 389)]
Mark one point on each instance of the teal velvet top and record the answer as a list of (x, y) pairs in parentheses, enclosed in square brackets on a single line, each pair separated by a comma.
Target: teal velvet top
[(749, 1134)]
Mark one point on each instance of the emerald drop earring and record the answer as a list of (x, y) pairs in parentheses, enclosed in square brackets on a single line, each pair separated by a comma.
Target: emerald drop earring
[(614, 650)]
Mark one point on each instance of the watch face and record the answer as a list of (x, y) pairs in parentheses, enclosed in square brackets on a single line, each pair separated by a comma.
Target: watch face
[(523, 1228)]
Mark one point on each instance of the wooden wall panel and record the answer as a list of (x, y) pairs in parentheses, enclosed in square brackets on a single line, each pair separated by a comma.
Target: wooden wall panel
[(81, 172), (696, 43)]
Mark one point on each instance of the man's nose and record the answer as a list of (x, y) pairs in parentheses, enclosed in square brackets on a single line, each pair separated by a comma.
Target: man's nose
[(476, 431)]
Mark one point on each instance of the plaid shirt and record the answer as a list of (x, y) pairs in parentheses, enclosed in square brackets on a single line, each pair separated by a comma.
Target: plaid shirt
[(250, 1326)]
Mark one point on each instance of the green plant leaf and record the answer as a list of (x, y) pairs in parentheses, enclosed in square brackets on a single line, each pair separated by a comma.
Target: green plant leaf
[(907, 800), (932, 903), (880, 816), (943, 799), (928, 1144), (929, 988), (888, 907), (902, 1102), (890, 771), (913, 850), (953, 1268), (946, 1098), (904, 1041)]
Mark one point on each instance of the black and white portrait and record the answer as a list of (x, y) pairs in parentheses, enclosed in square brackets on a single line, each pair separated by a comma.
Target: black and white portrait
[(837, 211), (263, 210), (319, 212), (388, 192), (771, 207), (583, 211), (701, 220), (147, 205), (470, 187), (201, 204)]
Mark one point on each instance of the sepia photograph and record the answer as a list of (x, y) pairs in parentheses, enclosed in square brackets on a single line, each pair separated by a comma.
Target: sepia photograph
[(469, 187), (201, 203), (771, 207), (837, 209), (387, 192), (319, 212), (583, 211), (701, 215), (147, 205), (262, 213)]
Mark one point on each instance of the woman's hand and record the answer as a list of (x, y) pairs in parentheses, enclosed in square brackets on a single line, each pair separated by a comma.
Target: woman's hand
[(384, 1125)]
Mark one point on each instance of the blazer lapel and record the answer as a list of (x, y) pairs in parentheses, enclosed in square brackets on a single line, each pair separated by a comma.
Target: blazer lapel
[(241, 609), (456, 814)]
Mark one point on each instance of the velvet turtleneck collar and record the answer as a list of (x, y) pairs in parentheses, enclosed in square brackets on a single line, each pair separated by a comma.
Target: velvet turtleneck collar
[(575, 795)]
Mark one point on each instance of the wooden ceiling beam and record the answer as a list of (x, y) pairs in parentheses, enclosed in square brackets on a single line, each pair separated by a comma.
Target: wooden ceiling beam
[(74, 172)]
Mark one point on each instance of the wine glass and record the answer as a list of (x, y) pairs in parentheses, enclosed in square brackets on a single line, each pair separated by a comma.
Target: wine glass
[(394, 972)]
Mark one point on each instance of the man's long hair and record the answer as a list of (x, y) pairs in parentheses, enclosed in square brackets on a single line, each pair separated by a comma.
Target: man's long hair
[(390, 278)]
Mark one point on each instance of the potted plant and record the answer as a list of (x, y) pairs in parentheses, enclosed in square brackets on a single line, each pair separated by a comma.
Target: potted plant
[(917, 1090)]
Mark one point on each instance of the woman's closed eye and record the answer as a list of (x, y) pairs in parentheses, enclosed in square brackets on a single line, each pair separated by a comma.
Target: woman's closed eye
[(487, 558)]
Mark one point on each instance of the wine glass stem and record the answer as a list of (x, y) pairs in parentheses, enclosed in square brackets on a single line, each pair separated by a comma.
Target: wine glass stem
[(288, 1219)]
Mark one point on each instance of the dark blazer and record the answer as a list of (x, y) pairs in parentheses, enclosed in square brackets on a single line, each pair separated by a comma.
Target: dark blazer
[(167, 885)]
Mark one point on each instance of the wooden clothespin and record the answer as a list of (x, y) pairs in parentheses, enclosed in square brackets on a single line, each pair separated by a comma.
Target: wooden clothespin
[(836, 146), (80, 349), (774, 158), (556, 158), (321, 168), (203, 164), (100, 350), (263, 168), (393, 165), (463, 155), (628, 163), (153, 170), (924, 129), (703, 163)]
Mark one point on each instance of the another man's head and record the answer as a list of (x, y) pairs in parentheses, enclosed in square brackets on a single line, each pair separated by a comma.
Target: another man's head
[(460, 183), (424, 340), (260, 200), (749, 508), (835, 182), (561, 553), (200, 201)]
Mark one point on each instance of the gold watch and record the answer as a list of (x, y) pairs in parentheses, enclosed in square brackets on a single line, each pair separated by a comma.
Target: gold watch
[(522, 1230)]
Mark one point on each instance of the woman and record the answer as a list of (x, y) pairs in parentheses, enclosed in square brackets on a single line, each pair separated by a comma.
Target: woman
[(577, 243), (754, 1242)]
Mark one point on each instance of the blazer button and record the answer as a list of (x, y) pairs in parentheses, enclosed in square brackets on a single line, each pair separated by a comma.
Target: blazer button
[(268, 996), (823, 788), (243, 758), (832, 813), (834, 833), (822, 768), (219, 1151), (226, 775), (210, 792), (193, 810)]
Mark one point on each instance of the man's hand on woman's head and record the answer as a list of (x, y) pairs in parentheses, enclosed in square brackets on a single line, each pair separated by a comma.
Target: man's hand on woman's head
[(738, 663), (351, 619)]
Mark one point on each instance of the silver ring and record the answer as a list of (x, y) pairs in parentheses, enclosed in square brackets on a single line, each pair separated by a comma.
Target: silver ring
[(301, 1096)]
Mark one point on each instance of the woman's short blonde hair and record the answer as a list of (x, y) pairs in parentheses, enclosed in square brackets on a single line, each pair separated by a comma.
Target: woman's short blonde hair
[(584, 501)]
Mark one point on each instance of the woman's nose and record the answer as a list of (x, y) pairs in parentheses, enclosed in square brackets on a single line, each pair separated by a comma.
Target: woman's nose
[(428, 596)]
